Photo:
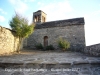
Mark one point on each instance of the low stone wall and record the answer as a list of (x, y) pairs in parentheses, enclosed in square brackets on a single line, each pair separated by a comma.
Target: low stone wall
[(8, 42), (93, 50)]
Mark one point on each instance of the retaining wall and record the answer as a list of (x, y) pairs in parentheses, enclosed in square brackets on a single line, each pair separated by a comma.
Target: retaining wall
[(8, 41)]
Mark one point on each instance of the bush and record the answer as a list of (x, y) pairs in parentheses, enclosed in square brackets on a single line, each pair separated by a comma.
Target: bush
[(63, 44), (50, 47), (39, 46)]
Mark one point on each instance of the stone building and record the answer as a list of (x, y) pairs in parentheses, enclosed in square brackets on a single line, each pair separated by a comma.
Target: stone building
[(48, 33)]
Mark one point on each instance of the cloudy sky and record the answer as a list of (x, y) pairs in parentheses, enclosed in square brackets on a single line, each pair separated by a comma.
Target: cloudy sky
[(56, 10)]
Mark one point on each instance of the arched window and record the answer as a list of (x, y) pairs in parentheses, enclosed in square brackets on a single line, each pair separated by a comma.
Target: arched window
[(45, 41), (35, 19)]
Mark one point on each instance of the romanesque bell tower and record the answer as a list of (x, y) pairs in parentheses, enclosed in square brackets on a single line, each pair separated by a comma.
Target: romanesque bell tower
[(39, 17)]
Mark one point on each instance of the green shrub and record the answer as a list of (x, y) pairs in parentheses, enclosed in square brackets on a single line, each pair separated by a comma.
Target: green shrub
[(63, 44), (50, 47), (39, 46)]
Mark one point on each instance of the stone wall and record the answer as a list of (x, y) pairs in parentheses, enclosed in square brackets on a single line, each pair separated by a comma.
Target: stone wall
[(74, 34), (8, 42), (93, 50)]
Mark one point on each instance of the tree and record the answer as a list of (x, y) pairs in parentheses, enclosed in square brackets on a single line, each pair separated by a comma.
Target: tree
[(20, 25)]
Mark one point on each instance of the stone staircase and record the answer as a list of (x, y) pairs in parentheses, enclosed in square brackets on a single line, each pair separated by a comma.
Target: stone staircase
[(49, 63)]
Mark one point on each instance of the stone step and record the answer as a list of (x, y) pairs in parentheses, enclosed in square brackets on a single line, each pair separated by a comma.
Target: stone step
[(46, 65), (49, 69)]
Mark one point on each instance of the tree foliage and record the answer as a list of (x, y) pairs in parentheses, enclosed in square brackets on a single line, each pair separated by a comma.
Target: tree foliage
[(20, 25)]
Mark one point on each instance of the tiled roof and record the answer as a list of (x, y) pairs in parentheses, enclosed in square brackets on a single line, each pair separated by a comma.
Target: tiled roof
[(61, 23), (40, 11)]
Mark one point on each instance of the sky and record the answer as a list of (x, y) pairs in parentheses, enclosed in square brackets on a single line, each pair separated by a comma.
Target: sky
[(56, 10)]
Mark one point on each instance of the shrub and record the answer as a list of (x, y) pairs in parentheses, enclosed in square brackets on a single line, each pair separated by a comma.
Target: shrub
[(50, 47), (39, 46), (63, 44)]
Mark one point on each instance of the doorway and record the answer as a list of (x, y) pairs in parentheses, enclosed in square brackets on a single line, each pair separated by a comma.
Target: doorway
[(45, 41)]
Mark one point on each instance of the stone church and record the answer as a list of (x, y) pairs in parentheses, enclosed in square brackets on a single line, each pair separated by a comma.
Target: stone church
[(48, 33)]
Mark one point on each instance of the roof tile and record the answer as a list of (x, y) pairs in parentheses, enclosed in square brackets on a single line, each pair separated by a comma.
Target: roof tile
[(61, 23)]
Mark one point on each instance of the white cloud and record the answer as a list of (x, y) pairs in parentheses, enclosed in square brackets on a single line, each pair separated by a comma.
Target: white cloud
[(2, 19), (19, 6), (92, 14), (56, 10), (2, 11), (30, 18), (29, 0), (92, 28)]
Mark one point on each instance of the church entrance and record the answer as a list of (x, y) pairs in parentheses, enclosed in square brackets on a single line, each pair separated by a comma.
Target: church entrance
[(45, 41)]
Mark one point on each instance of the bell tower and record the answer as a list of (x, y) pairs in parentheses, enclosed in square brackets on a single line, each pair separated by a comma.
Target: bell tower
[(39, 17)]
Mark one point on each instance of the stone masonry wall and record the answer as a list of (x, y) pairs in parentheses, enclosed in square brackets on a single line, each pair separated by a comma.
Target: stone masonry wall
[(8, 42), (93, 50), (74, 34)]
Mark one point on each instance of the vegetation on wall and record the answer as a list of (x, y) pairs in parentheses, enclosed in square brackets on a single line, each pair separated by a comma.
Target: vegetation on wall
[(20, 25), (40, 46), (63, 44), (49, 47)]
